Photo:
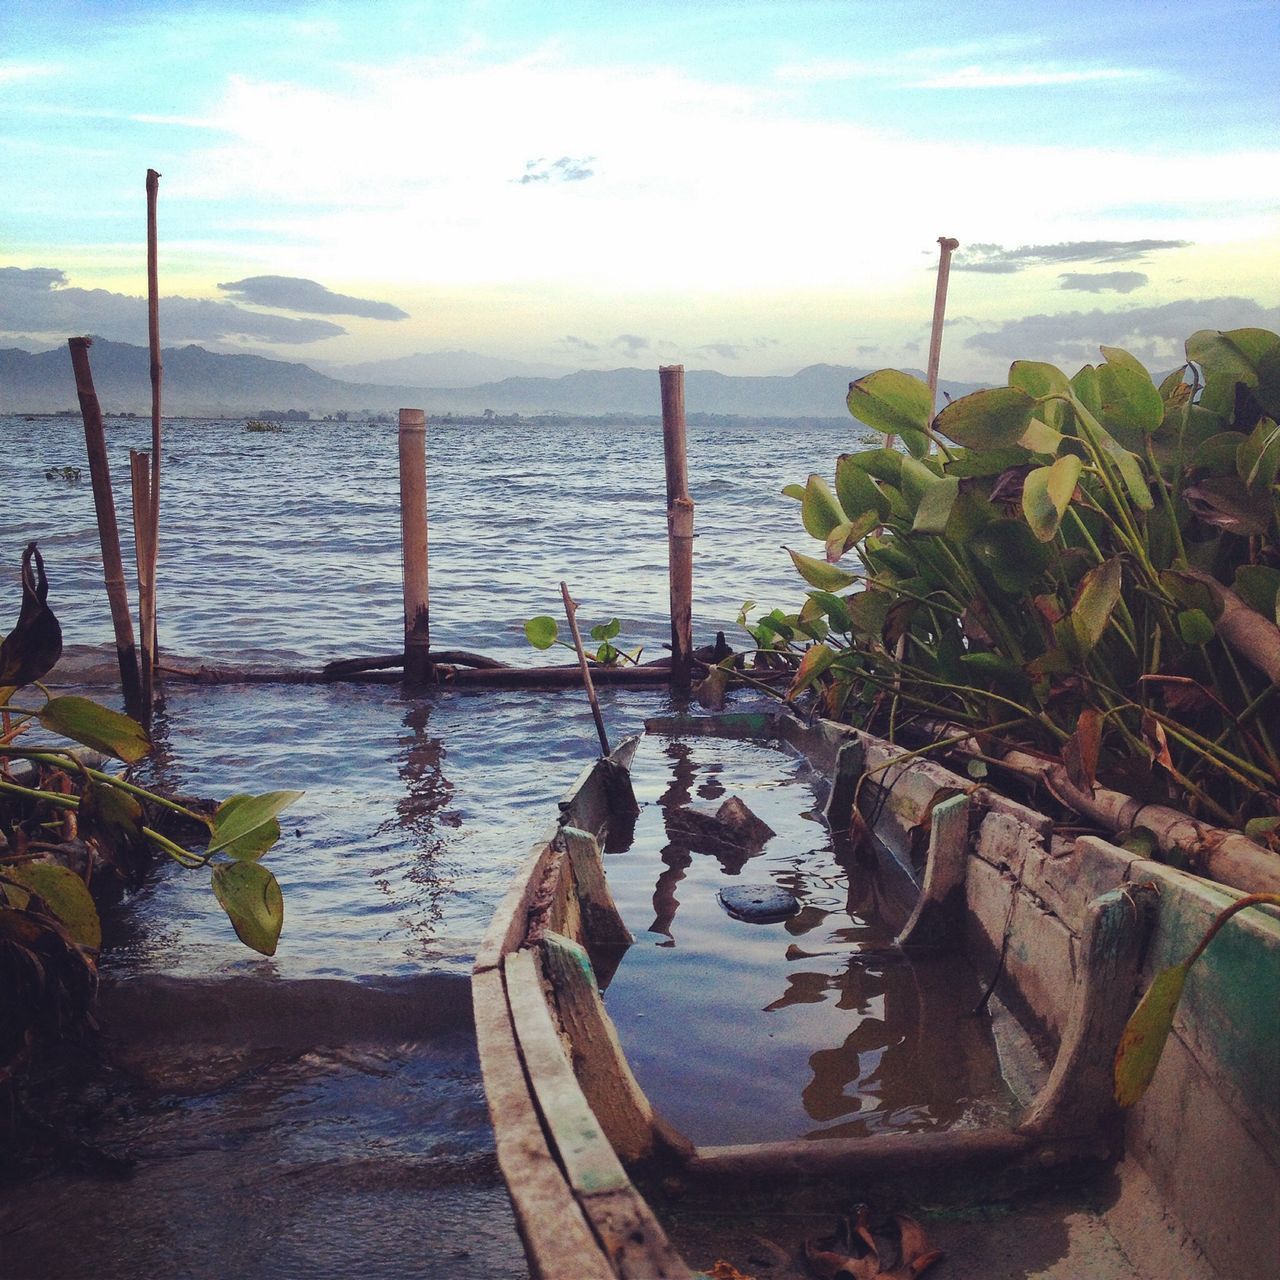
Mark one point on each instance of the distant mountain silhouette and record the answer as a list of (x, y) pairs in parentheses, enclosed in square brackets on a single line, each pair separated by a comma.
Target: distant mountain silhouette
[(206, 384)]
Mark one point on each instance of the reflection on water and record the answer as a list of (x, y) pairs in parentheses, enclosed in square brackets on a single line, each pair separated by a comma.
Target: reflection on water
[(815, 1026)]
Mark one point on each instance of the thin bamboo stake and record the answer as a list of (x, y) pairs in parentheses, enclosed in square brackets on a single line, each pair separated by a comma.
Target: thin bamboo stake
[(108, 531), (144, 558), (147, 605), (679, 525), (947, 246), (413, 532), (571, 612)]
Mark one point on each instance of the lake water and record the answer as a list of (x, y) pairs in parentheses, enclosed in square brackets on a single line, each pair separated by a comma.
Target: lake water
[(285, 548)]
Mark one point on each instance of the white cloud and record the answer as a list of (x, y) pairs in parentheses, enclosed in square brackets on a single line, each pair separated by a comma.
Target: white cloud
[(12, 72), (978, 77)]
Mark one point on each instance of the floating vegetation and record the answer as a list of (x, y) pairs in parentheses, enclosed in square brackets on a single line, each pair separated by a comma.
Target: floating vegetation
[(68, 474), (268, 428)]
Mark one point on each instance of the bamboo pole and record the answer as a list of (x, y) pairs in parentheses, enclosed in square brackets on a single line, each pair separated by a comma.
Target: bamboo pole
[(108, 531), (946, 247), (571, 612), (413, 531), (147, 604), (144, 557), (679, 525)]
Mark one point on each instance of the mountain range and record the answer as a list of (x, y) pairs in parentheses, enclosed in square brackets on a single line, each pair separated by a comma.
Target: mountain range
[(201, 383)]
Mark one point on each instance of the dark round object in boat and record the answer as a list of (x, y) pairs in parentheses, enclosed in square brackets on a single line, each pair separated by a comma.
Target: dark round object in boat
[(759, 903)]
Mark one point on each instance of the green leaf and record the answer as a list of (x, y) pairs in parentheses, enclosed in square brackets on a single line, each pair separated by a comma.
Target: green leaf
[(817, 658), (916, 443), (935, 506), (820, 574), (255, 842), (1131, 405), (1085, 388), (868, 611), (1195, 627), (1258, 586), (96, 726), (111, 815), (821, 510), (606, 630), (1228, 359), (253, 902), (1038, 379), (847, 535), (883, 464), (1011, 554), (1261, 828), (1225, 503), (990, 419), (795, 491), (240, 816), (1218, 453), (891, 401), (1005, 675), (1145, 1034), (541, 632), (834, 608), (856, 491), (66, 896), (1095, 601), (1039, 437), (1258, 457), (1046, 495)]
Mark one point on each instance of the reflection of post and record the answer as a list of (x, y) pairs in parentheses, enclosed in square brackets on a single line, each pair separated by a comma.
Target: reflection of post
[(679, 525), (413, 530), (675, 855)]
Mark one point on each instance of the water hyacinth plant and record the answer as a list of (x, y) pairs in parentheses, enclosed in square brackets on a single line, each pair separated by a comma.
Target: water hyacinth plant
[(1087, 566)]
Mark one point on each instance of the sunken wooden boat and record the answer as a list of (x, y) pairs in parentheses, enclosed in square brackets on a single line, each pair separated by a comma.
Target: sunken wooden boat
[(1071, 928)]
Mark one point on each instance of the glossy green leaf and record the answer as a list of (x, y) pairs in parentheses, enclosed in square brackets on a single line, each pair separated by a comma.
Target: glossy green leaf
[(1268, 365), (1046, 495), (1145, 1034), (256, 841), (887, 554), (66, 896), (990, 419), (1195, 627), (1217, 453), (883, 464), (241, 815), (253, 902), (821, 510), (1039, 437), (868, 611), (110, 815), (606, 630), (1227, 359), (968, 463), (1038, 379), (916, 443), (856, 491), (795, 491), (96, 726), (541, 632), (934, 509), (891, 401), (1262, 828), (820, 574)]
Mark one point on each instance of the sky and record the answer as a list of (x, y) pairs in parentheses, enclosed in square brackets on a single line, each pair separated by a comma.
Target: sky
[(728, 184)]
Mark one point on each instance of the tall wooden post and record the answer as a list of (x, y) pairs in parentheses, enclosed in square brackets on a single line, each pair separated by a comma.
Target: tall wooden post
[(144, 558), (147, 603), (413, 531), (108, 530), (679, 525)]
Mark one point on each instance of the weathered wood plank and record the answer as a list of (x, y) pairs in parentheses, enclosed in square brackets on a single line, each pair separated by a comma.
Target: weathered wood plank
[(602, 924), (510, 921), (938, 918), (856, 1158), (556, 1236), (1077, 1099), (625, 1222), (624, 1111)]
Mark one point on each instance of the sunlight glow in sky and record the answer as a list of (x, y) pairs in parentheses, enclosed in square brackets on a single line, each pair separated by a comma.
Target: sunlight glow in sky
[(732, 184)]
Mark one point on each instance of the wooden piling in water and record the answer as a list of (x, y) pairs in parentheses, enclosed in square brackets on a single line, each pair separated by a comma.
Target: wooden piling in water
[(108, 531), (413, 531), (571, 613), (140, 474), (147, 602), (679, 525)]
